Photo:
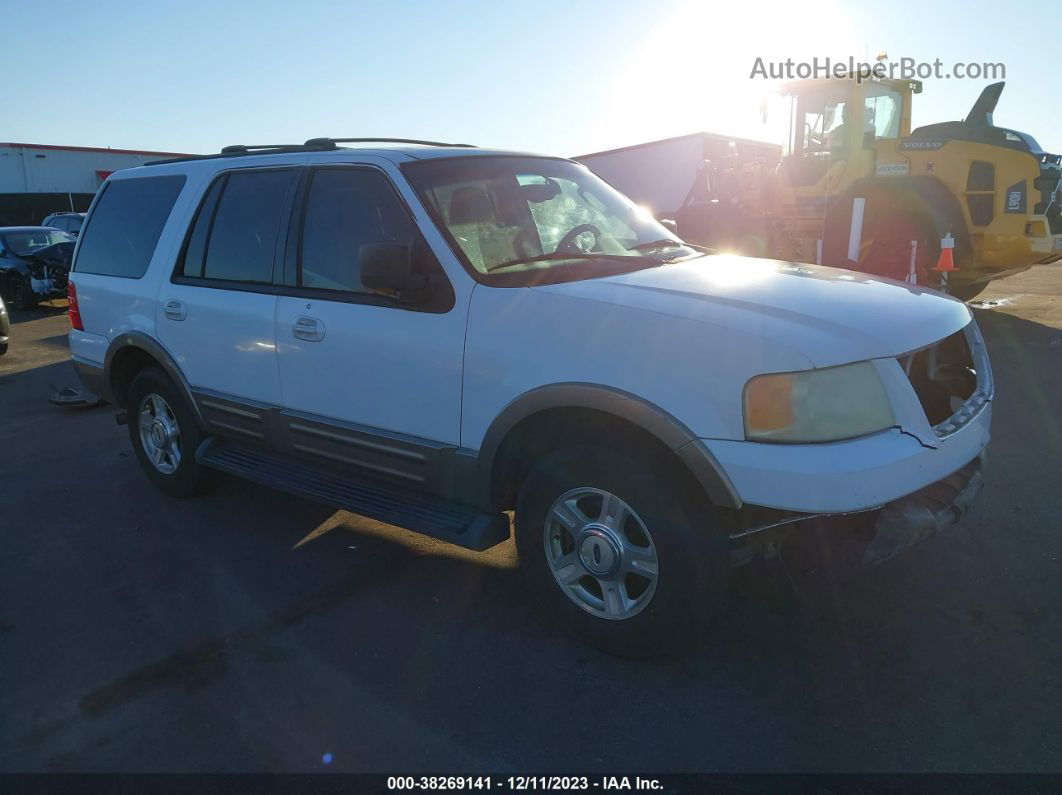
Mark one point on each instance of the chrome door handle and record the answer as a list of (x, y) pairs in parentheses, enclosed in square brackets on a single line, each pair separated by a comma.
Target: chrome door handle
[(175, 310), (308, 328)]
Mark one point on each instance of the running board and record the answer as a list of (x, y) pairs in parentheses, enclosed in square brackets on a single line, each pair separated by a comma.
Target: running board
[(458, 524)]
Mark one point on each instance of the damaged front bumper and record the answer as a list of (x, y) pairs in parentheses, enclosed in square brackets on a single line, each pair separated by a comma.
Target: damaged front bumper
[(893, 528), (911, 520)]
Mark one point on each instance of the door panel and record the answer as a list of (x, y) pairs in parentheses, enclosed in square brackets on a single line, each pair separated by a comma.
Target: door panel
[(346, 353), (225, 342), (376, 366), (217, 316)]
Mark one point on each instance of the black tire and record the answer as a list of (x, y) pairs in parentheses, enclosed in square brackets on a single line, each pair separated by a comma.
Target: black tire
[(21, 292), (189, 477), (967, 292), (690, 545)]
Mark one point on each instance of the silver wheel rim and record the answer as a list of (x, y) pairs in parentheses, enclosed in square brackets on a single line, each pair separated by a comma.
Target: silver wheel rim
[(160, 434), (601, 553)]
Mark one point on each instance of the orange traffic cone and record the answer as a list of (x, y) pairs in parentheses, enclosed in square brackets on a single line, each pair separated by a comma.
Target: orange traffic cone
[(946, 261)]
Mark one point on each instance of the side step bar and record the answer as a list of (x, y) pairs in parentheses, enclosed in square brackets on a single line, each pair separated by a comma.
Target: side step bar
[(458, 524)]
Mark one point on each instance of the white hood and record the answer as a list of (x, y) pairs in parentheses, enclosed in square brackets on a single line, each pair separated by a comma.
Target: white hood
[(832, 316)]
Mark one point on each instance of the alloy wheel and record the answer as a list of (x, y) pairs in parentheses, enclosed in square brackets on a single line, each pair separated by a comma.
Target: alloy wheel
[(160, 433), (601, 553)]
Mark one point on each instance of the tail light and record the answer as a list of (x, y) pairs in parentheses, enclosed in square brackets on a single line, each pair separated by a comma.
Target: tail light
[(73, 311)]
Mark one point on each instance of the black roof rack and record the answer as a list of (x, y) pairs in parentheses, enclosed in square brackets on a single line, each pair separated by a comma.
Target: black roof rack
[(330, 143), (312, 145), (244, 149)]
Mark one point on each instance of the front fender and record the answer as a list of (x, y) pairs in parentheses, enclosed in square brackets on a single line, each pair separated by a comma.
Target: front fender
[(608, 400)]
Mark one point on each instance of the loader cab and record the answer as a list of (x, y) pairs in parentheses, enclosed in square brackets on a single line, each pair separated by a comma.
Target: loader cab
[(835, 125)]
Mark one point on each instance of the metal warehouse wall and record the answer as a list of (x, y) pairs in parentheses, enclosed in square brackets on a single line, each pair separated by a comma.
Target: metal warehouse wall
[(36, 180), (48, 170)]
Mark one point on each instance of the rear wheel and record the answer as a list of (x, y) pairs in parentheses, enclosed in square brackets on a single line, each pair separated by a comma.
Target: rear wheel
[(164, 434), (616, 550)]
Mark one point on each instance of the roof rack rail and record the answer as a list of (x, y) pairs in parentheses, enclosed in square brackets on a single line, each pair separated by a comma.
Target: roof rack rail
[(324, 142), (234, 150), (239, 149)]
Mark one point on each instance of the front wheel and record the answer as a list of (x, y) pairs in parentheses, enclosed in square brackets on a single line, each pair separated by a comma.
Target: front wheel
[(886, 248), (620, 549), (21, 292)]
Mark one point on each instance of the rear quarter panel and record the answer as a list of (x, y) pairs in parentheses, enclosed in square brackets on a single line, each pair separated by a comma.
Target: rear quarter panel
[(112, 305)]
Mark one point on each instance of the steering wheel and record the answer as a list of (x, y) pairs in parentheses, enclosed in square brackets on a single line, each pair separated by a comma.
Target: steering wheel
[(566, 245)]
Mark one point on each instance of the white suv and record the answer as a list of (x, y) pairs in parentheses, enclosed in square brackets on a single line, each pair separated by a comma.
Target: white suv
[(433, 335)]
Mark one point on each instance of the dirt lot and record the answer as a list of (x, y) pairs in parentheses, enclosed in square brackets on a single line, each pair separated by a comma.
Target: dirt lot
[(141, 633)]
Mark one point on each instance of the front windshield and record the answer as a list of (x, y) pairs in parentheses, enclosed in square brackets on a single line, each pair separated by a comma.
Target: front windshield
[(23, 243), (528, 213)]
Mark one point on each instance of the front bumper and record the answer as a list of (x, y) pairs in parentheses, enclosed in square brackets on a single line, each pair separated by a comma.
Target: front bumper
[(874, 536), (849, 476)]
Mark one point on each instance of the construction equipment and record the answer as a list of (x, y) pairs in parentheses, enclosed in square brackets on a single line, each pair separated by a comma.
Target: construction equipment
[(856, 187)]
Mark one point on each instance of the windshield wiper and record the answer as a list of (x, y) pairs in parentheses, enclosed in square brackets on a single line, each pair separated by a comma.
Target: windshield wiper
[(662, 243), (558, 256)]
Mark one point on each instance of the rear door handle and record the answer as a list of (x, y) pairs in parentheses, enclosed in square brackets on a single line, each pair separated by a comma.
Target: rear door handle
[(175, 310), (308, 328)]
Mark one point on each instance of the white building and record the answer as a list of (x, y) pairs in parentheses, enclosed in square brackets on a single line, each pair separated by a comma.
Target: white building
[(37, 179)]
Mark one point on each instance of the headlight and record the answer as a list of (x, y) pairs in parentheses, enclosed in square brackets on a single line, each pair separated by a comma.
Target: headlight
[(816, 405)]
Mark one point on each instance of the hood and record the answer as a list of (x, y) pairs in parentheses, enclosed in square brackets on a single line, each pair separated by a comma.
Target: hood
[(55, 254), (831, 316)]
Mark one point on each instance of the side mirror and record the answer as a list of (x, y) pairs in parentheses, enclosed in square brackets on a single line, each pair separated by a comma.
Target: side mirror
[(388, 267), (668, 224)]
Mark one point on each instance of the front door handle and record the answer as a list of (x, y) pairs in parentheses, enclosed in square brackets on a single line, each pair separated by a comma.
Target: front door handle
[(175, 310), (308, 328)]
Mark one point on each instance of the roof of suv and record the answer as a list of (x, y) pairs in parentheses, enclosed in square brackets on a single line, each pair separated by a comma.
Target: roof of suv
[(406, 148), (29, 229)]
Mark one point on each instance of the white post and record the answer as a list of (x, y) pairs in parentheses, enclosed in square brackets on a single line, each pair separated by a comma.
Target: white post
[(855, 235), (818, 252), (912, 273)]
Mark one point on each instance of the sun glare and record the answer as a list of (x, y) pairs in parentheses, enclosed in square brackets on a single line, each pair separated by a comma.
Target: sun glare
[(693, 69)]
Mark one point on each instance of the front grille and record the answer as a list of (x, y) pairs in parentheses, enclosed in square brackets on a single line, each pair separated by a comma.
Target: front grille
[(952, 379)]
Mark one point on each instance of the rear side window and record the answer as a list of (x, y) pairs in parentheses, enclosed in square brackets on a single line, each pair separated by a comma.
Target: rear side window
[(126, 222), (235, 233)]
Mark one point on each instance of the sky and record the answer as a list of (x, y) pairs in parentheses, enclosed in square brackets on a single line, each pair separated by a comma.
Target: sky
[(560, 78)]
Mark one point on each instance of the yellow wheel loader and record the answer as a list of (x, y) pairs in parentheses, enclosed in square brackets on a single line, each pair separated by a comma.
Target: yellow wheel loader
[(856, 187)]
